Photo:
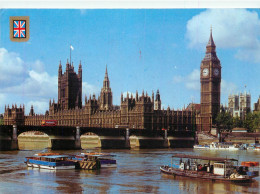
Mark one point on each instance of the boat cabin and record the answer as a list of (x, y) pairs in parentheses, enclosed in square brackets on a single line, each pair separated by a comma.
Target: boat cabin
[(223, 168)]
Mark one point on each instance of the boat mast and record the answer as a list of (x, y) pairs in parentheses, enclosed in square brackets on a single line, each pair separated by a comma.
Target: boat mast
[(225, 170)]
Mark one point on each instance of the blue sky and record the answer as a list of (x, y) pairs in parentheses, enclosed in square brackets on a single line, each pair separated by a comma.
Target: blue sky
[(172, 44)]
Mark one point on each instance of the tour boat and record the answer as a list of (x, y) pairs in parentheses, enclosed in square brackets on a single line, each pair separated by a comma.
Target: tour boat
[(203, 167), (225, 146), (105, 159), (52, 162), (201, 146)]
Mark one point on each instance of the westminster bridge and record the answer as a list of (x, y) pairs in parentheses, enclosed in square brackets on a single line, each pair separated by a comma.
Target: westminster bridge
[(64, 137)]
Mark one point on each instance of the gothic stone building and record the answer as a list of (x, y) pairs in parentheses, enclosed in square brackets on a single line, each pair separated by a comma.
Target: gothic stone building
[(139, 112), (239, 105), (210, 79)]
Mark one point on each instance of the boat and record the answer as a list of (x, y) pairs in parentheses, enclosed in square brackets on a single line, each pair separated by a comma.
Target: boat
[(203, 167), (105, 159), (225, 146), (249, 168), (52, 162), (201, 146), (254, 147)]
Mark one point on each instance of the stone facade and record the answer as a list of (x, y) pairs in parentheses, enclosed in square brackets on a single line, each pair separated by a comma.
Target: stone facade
[(257, 105), (239, 104), (14, 115), (139, 112)]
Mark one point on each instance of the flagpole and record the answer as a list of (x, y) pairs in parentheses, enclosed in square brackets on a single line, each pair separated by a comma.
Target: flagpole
[(70, 54)]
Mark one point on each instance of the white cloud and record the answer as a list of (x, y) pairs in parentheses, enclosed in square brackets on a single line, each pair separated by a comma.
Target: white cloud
[(20, 85), (2, 97), (191, 81), (88, 89), (129, 93), (12, 68), (35, 85), (228, 87), (39, 107), (232, 28), (38, 66)]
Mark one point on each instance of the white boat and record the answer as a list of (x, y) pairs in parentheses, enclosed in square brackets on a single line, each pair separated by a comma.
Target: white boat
[(201, 146), (51, 162), (225, 146)]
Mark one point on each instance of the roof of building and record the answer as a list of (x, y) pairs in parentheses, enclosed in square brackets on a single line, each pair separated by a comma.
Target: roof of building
[(193, 106), (203, 157)]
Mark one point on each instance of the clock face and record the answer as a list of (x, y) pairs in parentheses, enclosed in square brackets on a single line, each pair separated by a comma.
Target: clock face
[(205, 71), (216, 72)]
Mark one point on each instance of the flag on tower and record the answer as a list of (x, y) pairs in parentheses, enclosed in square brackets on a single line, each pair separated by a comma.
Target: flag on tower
[(72, 48)]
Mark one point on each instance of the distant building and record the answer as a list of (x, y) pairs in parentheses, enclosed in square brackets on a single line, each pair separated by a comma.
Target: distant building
[(14, 115), (239, 104), (257, 105)]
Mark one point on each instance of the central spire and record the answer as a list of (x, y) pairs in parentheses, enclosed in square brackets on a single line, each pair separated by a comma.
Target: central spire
[(211, 41), (106, 80), (211, 49)]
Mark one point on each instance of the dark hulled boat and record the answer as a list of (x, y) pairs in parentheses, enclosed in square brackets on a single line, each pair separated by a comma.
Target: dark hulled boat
[(211, 168)]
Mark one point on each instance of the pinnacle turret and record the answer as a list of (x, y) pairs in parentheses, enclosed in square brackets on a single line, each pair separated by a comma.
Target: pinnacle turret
[(211, 41), (106, 80), (211, 49)]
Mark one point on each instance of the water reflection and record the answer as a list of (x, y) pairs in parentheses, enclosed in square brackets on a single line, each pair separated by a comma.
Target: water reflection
[(137, 172)]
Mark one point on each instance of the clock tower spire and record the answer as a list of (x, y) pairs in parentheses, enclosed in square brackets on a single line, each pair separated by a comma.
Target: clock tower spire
[(210, 79)]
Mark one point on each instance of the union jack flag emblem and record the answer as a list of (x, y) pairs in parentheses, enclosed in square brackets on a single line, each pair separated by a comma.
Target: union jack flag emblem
[(19, 28)]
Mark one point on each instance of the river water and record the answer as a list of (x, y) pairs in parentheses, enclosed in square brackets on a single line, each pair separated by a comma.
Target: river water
[(137, 172)]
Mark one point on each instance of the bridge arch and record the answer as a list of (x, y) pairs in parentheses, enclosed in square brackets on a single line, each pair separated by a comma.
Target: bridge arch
[(33, 140), (90, 140)]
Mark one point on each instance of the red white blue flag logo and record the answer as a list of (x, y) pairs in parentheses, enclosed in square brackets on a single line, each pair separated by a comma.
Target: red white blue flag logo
[(19, 28)]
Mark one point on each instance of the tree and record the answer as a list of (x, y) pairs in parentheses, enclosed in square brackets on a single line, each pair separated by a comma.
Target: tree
[(256, 123), (252, 121), (224, 121), (237, 122)]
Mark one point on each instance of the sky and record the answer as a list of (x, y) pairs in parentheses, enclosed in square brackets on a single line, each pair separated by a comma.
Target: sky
[(144, 49)]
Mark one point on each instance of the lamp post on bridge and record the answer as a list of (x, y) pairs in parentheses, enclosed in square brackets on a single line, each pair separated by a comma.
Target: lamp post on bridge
[(77, 138), (14, 143), (127, 138)]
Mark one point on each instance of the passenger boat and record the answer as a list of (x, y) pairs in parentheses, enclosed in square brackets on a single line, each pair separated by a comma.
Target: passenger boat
[(105, 159), (52, 162), (225, 146), (201, 146), (211, 168)]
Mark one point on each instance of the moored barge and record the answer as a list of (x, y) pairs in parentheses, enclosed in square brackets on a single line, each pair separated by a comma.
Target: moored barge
[(106, 160), (211, 168)]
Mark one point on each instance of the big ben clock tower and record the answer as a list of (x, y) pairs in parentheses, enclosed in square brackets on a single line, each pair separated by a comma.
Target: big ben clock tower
[(210, 79)]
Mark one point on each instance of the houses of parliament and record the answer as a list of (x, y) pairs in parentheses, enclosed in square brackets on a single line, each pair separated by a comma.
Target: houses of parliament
[(138, 112)]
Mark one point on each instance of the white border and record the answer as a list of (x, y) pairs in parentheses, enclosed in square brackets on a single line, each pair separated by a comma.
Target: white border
[(133, 4)]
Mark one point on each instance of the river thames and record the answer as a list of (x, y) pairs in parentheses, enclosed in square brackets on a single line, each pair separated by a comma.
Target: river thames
[(137, 172)]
